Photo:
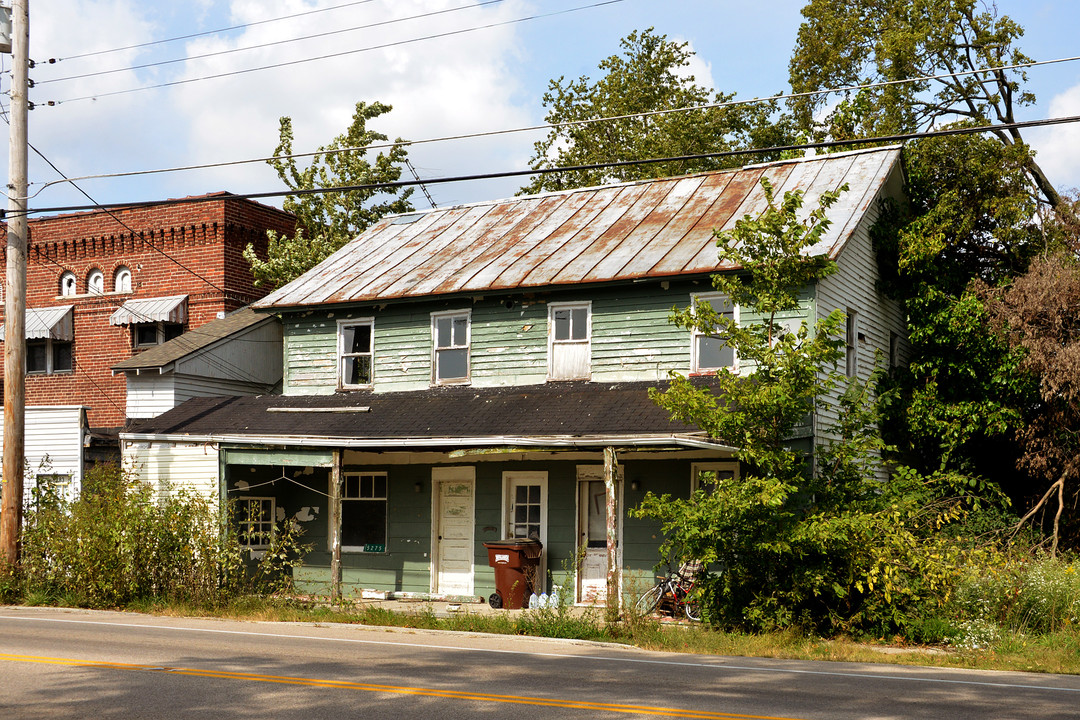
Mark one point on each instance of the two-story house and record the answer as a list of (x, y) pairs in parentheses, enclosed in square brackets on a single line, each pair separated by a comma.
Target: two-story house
[(481, 372), (107, 286)]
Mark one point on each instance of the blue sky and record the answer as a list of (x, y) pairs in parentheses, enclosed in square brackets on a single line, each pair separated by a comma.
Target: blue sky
[(473, 82)]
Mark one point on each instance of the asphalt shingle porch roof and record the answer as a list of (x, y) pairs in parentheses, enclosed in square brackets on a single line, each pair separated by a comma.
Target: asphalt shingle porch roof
[(574, 409)]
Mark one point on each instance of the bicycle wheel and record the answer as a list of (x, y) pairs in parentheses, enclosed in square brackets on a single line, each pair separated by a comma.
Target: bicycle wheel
[(693, 610), (649, 600)]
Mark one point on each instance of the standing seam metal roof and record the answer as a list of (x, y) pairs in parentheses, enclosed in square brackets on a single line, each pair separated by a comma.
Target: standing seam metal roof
[(641, 230)]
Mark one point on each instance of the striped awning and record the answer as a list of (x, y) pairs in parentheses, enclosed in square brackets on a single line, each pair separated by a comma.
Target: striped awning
[(44, 323), (172, 309)]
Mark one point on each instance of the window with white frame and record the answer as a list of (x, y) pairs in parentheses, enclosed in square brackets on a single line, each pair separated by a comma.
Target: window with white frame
[(95, 282), (708, 351), (69, 284), (363, 512), (255, 521), (356, 353), (851, 341), (450, 333), (53, 485), (705, 475), (48, 356), (122, 280), (569, 341)]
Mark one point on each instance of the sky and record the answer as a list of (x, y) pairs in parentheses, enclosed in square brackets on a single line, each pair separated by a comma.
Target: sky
[(490, 76)]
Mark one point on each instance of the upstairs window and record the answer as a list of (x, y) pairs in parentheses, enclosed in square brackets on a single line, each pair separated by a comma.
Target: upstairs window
[(45, 357), (95, 282), (122, 280), (150, 334), (569, 341), (450, 347), (69, 285), (851, 342), (356, 350), (709, 352)]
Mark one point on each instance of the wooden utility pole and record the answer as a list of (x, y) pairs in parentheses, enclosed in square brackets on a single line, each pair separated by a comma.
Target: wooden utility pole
[(15, 290)]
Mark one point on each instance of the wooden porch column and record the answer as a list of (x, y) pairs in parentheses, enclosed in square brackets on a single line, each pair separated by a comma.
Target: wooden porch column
[(611, 482), (335, 528)]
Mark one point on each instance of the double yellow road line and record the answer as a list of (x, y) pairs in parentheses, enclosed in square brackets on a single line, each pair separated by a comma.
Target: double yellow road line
[(401, 690)]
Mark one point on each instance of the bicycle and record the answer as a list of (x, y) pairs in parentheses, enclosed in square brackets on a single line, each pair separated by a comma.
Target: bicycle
[(678, 590)]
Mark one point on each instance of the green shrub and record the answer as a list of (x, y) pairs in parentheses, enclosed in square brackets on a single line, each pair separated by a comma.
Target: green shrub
[(121, 542)]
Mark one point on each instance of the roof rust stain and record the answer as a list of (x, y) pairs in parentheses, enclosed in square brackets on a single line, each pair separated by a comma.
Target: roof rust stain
[(647, 229)]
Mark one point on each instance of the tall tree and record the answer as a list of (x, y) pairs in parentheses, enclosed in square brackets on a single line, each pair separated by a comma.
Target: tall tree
[(327, 220), (825, 544), (1039, 314), (950, 50), (651, 74)]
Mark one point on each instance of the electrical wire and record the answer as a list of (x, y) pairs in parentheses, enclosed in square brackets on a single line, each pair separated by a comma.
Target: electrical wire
[(205, 32), (553, 126), (578, 168), (343, 53), (274, 43)]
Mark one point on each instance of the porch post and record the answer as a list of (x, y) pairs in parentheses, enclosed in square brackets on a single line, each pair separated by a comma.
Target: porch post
[(335, 528), (611, 479)]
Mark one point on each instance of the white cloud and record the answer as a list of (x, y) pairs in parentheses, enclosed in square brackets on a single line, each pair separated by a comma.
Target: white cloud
[(439, 87), (1058, 146)]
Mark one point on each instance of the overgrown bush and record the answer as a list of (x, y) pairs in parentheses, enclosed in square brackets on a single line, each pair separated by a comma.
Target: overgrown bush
[(1030, 595), (122, 542)]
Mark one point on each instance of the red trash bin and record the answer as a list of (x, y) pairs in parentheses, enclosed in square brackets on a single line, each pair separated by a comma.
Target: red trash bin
[(516, 562)]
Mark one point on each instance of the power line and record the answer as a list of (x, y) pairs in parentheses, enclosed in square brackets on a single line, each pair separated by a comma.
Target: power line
[(552, 126), (266, 44), (205, 32), (342, 53), (970, 130)]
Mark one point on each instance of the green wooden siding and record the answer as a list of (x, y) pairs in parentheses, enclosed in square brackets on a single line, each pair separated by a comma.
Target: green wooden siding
[(632, 339), (406, 564)]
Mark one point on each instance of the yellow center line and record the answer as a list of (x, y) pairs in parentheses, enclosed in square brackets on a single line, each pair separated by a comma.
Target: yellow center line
[(368, 687)]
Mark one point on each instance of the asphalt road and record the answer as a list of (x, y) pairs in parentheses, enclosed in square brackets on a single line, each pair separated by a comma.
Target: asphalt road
[(80, 664)]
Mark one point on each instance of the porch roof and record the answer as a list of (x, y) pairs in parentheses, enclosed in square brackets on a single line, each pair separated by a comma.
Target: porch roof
[(558, 414)]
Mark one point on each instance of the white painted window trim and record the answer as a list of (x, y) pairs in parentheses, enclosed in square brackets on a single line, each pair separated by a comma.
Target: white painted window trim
[(697, 468), (122, 280), (552, 342), (712, 298), (383, 499), (467, 347), (341, 354), (65, 279), (95, 282)]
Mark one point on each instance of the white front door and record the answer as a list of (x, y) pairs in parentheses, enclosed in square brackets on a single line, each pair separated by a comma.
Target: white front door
[(452, 530), (592, 570), (525, 512)]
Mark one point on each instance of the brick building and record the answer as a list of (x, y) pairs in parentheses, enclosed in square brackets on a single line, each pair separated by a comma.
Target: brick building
[(102, 287)]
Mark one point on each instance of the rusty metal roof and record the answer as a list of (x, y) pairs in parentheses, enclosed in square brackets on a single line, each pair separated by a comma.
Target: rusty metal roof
[(647, 229)]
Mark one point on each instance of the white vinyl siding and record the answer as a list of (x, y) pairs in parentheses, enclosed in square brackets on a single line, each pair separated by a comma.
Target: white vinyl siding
[(55, 433), (174, 465)]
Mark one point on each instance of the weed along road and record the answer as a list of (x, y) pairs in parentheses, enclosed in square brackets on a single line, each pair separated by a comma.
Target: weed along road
[(79, 664)]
